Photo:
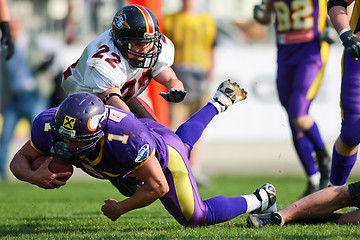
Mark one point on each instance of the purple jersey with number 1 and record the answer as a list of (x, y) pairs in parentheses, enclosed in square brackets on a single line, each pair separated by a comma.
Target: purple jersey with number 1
[(127, 144)]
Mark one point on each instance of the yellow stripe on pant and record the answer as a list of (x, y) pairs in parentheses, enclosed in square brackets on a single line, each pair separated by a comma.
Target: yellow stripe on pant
[(183, 187)]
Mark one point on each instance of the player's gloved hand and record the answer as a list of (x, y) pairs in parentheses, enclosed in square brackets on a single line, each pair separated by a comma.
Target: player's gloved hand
[(175, 95), (329, 35), (260, 14), (6, 39), (351, 43)]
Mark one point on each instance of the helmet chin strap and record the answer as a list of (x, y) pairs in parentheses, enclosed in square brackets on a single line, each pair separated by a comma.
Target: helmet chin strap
[(95, 150)]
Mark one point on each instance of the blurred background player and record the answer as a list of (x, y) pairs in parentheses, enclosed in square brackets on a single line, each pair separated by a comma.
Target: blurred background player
[(119, 64), (20, 96), (194, 37), (6, 40), (346, 146), (301, 59)]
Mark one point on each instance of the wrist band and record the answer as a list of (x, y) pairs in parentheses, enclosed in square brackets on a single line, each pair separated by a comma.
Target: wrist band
[(107, 97), (344, 30)]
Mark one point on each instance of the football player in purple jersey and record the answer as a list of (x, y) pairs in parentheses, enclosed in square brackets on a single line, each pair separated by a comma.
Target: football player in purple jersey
[(109, 143), (319, 207), (346, 146), (301, 56)]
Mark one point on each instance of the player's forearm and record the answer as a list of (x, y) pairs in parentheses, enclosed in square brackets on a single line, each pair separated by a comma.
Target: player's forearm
[(4, 11), (339, 18), (21, 168), (168, 78), (116, 102), (142, 198)]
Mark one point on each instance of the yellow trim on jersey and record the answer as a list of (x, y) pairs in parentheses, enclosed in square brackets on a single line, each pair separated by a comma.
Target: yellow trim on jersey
[(342, 74), (99, 157), (117, 175), (355, 16), (314, 88), (32, 144), (322, 15), (183, 186)]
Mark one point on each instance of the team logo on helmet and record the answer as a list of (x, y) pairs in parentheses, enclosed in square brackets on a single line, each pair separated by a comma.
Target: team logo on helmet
[(120, 21), (69, 122), (94, 122)]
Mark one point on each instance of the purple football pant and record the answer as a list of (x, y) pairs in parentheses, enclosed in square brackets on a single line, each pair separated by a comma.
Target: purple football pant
[(183, 201), (350, 127), (297, 86)]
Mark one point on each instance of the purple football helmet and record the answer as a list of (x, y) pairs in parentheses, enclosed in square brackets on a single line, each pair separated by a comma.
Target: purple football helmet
[(137, 24), (81, 117)]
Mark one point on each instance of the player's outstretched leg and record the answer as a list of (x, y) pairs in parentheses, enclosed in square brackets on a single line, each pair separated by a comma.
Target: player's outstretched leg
[(263, 220), (222, 209), (267, 196), (274, 218), (228, 93)]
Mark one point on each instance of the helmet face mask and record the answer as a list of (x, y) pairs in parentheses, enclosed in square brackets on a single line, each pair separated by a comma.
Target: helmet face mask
[(135, 24), (142, 60), (78, 126)]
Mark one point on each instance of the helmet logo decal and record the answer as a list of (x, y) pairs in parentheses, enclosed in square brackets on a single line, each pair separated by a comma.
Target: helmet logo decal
[(69, 122), (93, 122), (150, 26), (120, 21)]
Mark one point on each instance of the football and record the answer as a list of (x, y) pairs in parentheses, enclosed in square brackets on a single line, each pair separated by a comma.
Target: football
[(56, 166)]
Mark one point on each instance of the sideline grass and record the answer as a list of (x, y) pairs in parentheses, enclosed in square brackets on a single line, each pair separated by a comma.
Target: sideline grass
[(73, 212)]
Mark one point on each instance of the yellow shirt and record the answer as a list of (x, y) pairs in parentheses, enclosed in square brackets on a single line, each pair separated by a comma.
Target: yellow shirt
[(193, 37)]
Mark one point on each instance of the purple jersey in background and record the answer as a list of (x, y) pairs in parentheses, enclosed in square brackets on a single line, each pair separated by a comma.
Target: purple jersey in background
[(298, 27)]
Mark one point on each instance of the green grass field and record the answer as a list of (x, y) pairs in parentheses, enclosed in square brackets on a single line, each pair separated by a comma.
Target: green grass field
[(73, 212)]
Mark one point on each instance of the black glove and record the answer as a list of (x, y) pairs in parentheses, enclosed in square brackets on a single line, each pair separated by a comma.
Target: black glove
[(260, 14), (6, 39), (175, 95), (351, 43)]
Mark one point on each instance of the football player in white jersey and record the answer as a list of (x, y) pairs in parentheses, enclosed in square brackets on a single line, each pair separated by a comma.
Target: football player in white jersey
[(119, 64)]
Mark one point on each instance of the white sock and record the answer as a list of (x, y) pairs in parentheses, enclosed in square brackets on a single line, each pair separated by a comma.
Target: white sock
[(252, 202), (220, 108), (315, 179)]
